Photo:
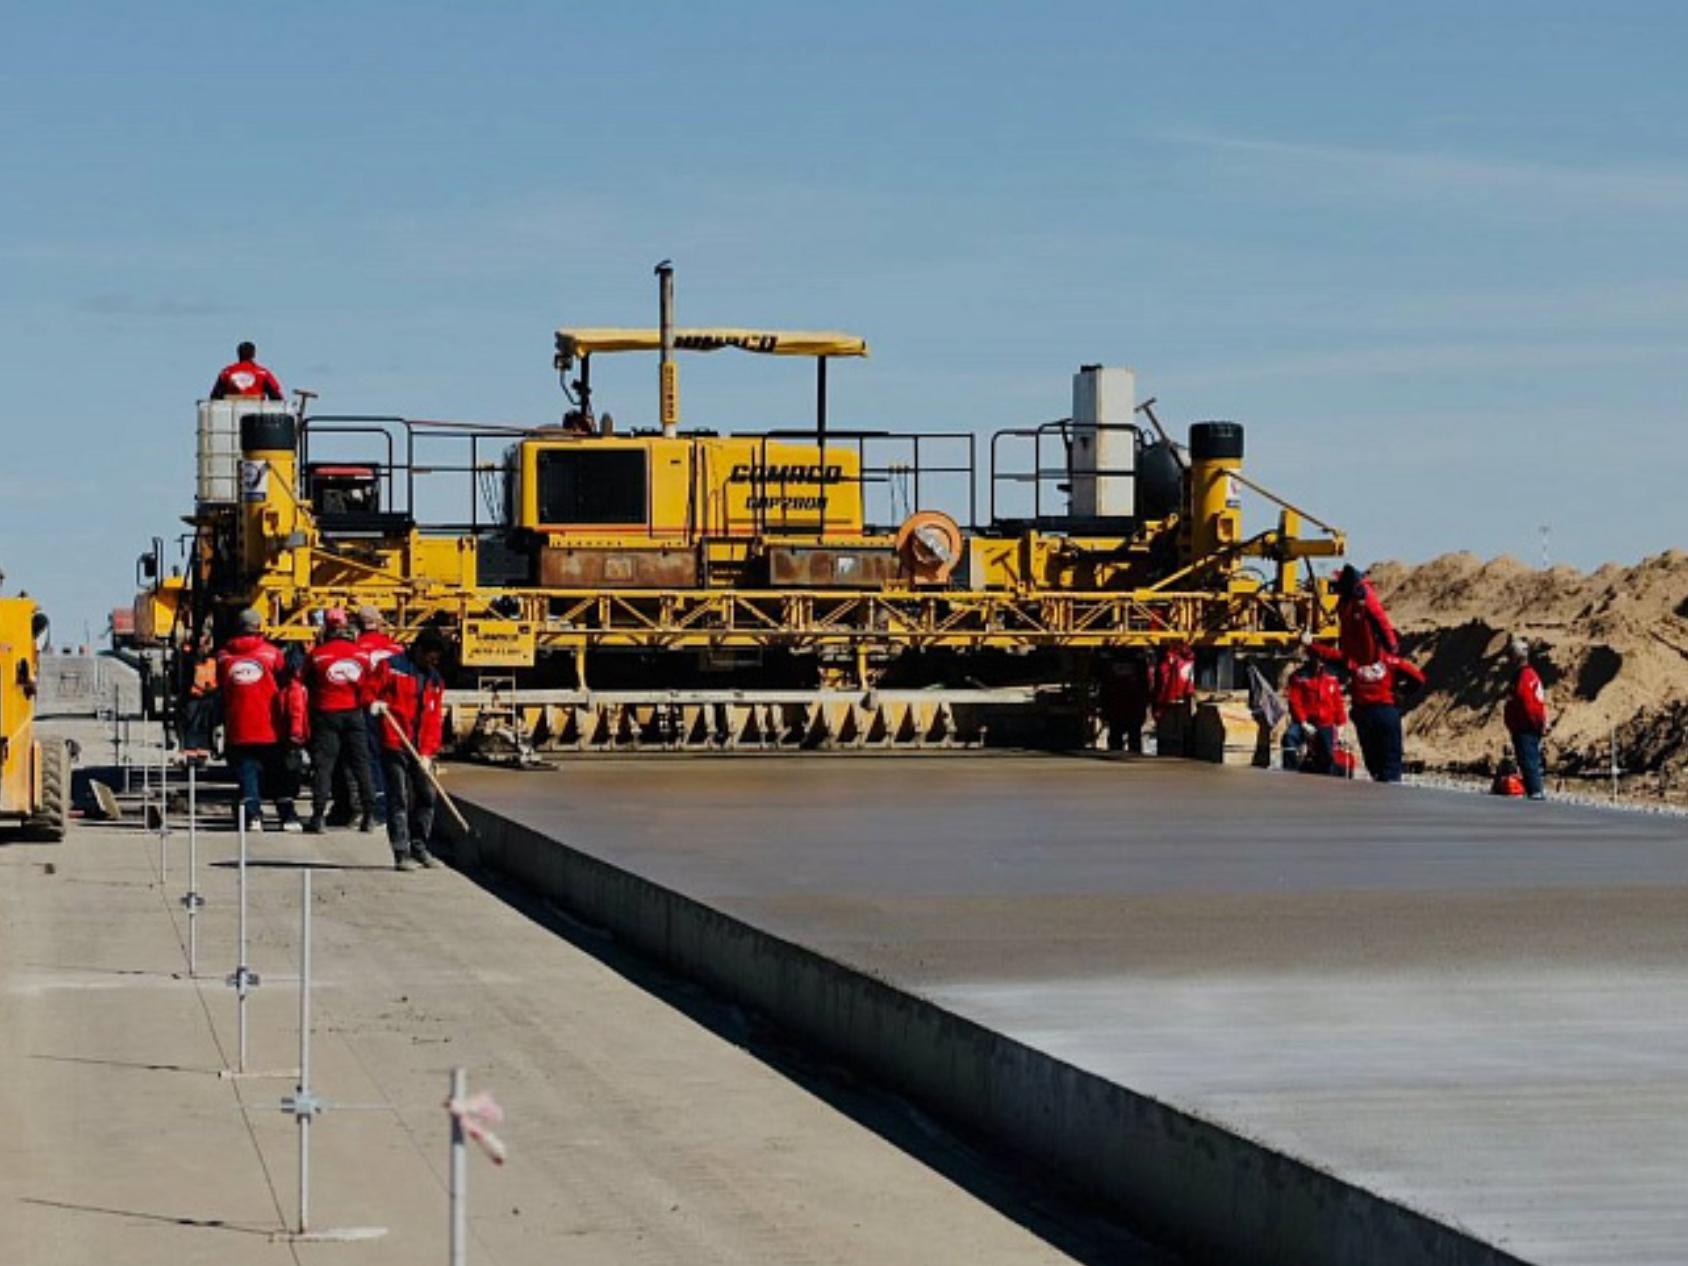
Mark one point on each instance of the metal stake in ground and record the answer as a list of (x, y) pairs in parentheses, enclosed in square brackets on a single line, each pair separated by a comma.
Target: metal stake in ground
[(164, 811), (471, 1118), (303, 1103), (191, 900), (242, 979)]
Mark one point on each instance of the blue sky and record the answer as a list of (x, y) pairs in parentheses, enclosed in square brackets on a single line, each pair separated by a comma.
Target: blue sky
[(1432, 255)]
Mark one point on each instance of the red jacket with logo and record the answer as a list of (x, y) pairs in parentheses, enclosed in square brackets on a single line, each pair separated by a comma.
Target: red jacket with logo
[(1526, 705), (1315, 698), (377, 646), (415, 700), (1366, 634), (339, 676), (1378, 682), (1175, 677), (252, 674), (246, 378)]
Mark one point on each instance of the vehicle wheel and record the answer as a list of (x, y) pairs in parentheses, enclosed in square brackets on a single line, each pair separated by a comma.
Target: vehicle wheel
[(51, 815)]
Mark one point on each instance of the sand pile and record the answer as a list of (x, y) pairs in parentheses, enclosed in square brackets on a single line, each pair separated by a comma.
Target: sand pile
[(1612, 648)]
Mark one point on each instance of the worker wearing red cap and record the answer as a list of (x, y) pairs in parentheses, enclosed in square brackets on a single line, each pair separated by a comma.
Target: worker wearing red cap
[(1375, 691), (252, 677), (1526, 718), (246, 378), (1317, 715), (339, 678)]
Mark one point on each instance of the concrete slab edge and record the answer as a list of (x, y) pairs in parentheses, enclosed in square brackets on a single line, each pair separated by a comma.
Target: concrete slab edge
[(1182, 1180)]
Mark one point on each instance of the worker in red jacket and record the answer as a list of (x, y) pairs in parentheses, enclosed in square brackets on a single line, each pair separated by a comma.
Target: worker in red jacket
[(1365, 633), (370, 626), (409, 705), (246, 378), (1174, 691), (1175, 677), (252, 678), (1317, 715), (1526, 718), (1375, 691), (340, 681)]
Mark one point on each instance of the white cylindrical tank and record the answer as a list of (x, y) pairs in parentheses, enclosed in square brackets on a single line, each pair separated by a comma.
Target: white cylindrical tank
[(1104, 460), (218, 446)]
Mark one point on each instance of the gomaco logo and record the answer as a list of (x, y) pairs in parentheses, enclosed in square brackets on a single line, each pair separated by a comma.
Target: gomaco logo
[(755, 472), (344, 672), (246, 672)]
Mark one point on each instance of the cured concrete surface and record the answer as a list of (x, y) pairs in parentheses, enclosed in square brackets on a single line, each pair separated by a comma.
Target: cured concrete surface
[(638, 1133), (1476, 1008)]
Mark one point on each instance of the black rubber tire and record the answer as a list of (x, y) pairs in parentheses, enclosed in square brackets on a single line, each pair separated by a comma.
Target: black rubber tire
[(52, 815)]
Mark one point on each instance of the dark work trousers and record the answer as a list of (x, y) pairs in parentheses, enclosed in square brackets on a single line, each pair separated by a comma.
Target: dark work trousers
[(377, 766), (335, 737), (410, 804), (1379, 728), (1528, 747), (199, 719), (1318, 749), (262, 770)]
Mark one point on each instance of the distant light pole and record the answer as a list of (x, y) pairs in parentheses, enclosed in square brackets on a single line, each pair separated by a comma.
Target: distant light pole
[(1546, 531)]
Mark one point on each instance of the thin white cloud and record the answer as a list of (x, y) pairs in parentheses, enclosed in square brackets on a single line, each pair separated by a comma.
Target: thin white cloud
[(1443, 175), (1433, 358)]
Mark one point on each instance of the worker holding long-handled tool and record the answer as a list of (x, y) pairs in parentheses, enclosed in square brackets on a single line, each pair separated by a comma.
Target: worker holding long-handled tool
[(409, 705)]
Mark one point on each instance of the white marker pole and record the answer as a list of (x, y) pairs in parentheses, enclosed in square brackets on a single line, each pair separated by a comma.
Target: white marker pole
[(459, 1175), (164, 811), (305, 1105), (242, 978), (192, 899)]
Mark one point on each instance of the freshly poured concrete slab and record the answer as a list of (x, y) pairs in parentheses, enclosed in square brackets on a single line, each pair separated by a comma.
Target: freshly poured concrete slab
[(1477, 1008)]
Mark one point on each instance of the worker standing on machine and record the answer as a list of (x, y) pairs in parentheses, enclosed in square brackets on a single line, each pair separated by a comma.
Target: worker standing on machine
[(374, 642), (1317, 715), (410, 701), (246, 378), (252, 676), (1374, 692), (339, 678), (1526, 718)]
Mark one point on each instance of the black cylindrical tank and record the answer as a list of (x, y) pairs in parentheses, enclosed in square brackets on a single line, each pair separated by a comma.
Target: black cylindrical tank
[(1213, 441), (1160, 481), (268, 433)]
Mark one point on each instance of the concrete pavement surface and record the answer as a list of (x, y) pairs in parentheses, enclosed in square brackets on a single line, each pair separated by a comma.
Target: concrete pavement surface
[(1475, 1007), (637, 1133)]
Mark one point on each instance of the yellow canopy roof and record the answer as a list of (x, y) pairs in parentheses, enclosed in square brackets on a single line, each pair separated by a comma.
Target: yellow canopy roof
[(573, 344)]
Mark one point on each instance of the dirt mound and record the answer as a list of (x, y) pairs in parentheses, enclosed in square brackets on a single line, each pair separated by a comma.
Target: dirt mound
[(1611, 646)]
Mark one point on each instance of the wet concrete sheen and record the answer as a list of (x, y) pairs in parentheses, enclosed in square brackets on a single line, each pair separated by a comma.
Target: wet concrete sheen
[(1474, 1007)]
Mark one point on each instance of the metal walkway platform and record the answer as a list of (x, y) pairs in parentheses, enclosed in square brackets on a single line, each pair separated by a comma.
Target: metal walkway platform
[(1476, 1009)]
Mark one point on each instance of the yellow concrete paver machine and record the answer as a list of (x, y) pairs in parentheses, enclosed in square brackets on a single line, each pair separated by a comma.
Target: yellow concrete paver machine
[(622, 587)]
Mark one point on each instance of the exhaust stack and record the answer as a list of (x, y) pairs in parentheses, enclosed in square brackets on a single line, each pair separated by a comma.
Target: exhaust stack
[(668, 372)]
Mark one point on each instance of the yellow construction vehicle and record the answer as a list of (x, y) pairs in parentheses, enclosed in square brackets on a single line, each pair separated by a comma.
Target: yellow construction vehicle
[(34, 771), (811, 587)]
